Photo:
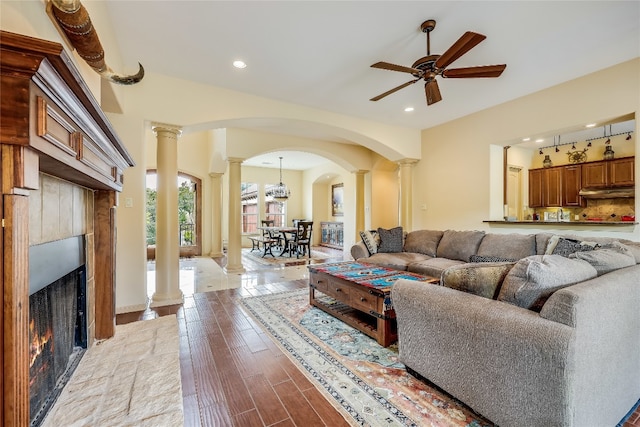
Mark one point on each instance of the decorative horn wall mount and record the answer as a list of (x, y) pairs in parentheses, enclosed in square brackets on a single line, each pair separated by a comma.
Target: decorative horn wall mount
[(73, 19)]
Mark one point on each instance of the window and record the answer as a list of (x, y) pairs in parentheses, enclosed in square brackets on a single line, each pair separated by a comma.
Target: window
[(274, 210), (249, 197)]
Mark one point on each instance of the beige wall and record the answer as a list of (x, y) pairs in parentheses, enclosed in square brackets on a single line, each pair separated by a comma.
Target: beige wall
[(457, 179)]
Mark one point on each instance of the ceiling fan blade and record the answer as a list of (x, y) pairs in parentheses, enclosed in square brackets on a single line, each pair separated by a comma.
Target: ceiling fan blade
[(432, 91), (394, 67), (464, 44), (395, 89), (481, 71)]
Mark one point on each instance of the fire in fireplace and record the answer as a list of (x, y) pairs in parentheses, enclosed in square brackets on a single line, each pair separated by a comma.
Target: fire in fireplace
[(57, 337)]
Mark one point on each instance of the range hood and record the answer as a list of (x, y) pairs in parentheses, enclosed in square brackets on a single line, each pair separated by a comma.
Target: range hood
[(608, 193)]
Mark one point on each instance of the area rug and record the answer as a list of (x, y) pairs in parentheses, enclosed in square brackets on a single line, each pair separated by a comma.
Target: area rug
[(256, 256), (362, 379), (132, 379)]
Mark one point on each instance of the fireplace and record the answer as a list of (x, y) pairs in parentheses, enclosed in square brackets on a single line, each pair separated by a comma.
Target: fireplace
[(52, 126), (57, 321)]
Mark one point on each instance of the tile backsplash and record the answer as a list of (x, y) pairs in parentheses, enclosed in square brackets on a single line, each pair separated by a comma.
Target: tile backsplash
[(602, 209)]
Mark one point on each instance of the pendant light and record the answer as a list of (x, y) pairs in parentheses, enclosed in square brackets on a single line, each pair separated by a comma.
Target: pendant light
[(280, 192)]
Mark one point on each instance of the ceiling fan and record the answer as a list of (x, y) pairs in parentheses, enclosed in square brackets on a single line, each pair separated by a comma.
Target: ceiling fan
[(430, 66)]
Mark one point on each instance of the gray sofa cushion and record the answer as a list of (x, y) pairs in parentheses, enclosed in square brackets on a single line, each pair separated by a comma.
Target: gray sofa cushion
[(423, 241), (397, 260), (533, 279), (390, 240), (610, 257), (482, 279), (508, 246), (433, 267), (459, 245)]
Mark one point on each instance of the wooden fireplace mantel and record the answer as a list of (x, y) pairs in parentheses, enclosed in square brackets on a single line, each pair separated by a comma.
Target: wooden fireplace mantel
[(50, 123)]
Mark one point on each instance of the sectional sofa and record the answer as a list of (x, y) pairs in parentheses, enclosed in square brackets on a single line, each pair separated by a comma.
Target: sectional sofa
[(528, 330)]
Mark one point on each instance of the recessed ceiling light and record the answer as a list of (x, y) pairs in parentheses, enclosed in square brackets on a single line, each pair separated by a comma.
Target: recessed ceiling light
[(590, 125), (408, 109), (540, 140), (526, 139), (239, 64)]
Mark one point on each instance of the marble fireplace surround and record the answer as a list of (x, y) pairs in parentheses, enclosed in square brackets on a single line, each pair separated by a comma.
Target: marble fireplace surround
[(62, 166)]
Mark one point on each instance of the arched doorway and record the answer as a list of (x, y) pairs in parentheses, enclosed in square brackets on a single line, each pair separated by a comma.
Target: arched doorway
[(189, 214)]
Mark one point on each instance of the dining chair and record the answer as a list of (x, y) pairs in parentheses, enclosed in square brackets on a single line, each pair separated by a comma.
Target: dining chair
[(302, 239), (271, 234)]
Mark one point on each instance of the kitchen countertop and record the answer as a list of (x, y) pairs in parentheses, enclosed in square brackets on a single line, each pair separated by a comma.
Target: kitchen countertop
[(562, 223)]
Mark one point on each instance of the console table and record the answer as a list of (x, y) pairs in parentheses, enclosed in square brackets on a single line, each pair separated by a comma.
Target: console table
[(332, 234)]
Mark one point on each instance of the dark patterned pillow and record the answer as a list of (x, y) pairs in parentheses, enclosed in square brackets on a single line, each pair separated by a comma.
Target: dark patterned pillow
[(566, 247), (391, 240), (370, 240), (488, 258)]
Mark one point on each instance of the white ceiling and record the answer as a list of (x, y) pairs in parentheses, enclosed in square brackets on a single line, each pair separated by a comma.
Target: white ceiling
[(318, 53)]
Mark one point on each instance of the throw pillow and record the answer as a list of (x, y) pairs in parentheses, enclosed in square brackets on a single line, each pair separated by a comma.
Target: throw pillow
[(563, 246), (482, 279), (488, 258), (533, 279), (423, 242), (390, 240), (611, 257), (370, 240)]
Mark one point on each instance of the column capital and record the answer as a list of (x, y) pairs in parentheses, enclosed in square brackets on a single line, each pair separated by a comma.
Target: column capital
[(407, 162), (359, 172), (165, 127), (215, 174), (235, 159)]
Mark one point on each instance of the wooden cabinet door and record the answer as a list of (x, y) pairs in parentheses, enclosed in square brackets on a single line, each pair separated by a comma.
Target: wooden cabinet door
[(536, 188), (553, 193), (571, 185), (594, 175), (621, 172)]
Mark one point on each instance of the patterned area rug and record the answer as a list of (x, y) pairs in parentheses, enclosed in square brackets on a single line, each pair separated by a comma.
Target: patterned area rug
[(364, 380), (256, 256)]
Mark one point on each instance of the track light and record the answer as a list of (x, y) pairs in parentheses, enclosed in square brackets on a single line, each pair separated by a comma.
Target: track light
[(541, 153), (589, 144), (557, 149), (573, 146), (628, 136)]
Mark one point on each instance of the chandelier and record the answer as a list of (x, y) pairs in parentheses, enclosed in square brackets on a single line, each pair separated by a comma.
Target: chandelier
[(280, 192)]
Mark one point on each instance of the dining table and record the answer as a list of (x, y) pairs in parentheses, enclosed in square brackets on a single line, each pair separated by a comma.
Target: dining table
[(287, 233)]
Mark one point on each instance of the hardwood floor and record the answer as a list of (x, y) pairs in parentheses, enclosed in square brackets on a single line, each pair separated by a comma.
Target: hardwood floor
[(232, 373)]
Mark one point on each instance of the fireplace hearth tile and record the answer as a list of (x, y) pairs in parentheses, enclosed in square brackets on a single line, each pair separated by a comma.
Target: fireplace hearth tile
[(130, 379)]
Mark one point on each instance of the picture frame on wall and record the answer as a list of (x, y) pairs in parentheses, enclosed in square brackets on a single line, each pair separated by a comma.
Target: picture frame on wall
[(337, 199)]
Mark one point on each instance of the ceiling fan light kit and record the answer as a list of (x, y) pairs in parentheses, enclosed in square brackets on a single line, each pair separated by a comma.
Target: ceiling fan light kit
[(429, 67)]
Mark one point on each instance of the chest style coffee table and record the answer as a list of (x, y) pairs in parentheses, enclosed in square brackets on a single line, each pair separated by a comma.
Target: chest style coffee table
[(359, 294)]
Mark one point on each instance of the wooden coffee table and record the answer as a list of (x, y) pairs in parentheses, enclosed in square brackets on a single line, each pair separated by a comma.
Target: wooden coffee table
[(359, 294)]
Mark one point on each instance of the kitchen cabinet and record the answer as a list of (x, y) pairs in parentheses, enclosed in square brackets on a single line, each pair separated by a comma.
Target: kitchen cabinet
[(545, 187), (571, 185), (609, 173)]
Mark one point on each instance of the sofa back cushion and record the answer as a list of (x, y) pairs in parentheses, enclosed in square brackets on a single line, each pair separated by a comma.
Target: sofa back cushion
[(508, 246), (482, 279), (533, 279), (423, 242), (459, 245)]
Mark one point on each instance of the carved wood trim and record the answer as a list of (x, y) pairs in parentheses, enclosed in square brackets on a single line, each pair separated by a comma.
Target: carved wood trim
[(104, 247), (15, 358)]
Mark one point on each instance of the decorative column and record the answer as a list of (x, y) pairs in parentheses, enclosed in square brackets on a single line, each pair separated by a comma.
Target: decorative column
[(167, 227), (359, 202), (216, 215), (234, 248), (406, 191)]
